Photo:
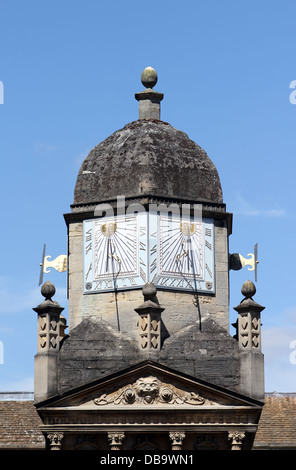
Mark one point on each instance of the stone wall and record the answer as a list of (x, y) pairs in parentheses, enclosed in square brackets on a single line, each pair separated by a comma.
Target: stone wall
[(103, 327), (181, 309), (95, 350)]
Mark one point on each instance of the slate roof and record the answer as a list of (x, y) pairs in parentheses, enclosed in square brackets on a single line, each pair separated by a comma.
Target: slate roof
[(277, 423), (19, 424)]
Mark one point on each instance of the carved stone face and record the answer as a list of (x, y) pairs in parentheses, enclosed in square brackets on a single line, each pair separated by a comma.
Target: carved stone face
[(147, 388)]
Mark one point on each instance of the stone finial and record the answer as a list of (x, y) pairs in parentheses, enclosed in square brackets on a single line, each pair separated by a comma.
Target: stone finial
[(149, 100), (150, 300), (149, 292), (248, 289), (248, 324), (150, 319), (149, 77), (48, 290), (50, 325), (248, 335), (50, 332)]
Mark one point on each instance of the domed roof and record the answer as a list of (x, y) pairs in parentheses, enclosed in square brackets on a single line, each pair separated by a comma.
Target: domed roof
[(148, 157)]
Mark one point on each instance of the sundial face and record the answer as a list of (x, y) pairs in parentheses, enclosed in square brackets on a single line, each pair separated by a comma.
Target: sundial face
[(125, 252), (183, 257), (115, 253)]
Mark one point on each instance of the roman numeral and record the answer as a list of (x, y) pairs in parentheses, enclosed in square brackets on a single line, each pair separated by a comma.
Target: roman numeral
[(153, 265), (208, 245), (88, 239), (209, 271), (89, 269), (180, 283), (106, 284), (155, 278), (143, 274), (126, 281), (153, 249), (88, 248), (142, 246)]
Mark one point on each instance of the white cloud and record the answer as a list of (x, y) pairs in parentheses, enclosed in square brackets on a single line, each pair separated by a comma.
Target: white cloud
[(245, 208), (278, 347), (10, 302), (14, 302), (41, 147)]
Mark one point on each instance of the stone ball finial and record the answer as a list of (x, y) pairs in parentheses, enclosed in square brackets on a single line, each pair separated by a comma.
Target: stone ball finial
[(48, 290), (248, 289), (149, 291), (149, 77)]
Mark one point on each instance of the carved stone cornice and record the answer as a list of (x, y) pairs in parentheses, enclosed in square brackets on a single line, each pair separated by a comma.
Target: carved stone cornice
[(161, 419)]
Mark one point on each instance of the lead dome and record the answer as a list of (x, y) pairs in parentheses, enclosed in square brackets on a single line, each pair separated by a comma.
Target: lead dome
[(148, 157)]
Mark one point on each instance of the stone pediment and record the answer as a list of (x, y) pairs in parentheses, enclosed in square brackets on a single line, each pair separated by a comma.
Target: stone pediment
[(149, 401), (149, 385)]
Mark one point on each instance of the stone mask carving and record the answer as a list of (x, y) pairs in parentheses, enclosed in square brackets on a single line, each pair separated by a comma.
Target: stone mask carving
[(149, 390)]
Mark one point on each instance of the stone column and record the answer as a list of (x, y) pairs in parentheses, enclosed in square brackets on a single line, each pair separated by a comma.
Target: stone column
[(115, 440), (55, 439), (150, 319), (50, 332), (236, 439), (248, 335), (177, 440)]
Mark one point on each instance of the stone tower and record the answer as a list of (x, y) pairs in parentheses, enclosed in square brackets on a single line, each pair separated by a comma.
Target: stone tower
[(149, 361)]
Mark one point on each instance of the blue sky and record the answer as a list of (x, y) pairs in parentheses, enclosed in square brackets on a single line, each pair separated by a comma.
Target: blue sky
[(70, 70)]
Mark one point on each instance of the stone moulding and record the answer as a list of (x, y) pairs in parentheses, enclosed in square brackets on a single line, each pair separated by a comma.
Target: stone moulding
[(195, 420), (149, 390)]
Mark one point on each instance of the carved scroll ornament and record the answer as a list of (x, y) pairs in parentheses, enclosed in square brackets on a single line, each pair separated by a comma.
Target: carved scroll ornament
[(149, 390)]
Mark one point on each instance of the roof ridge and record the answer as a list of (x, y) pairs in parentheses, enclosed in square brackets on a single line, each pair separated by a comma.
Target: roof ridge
[(280, 394), (16, 396)]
